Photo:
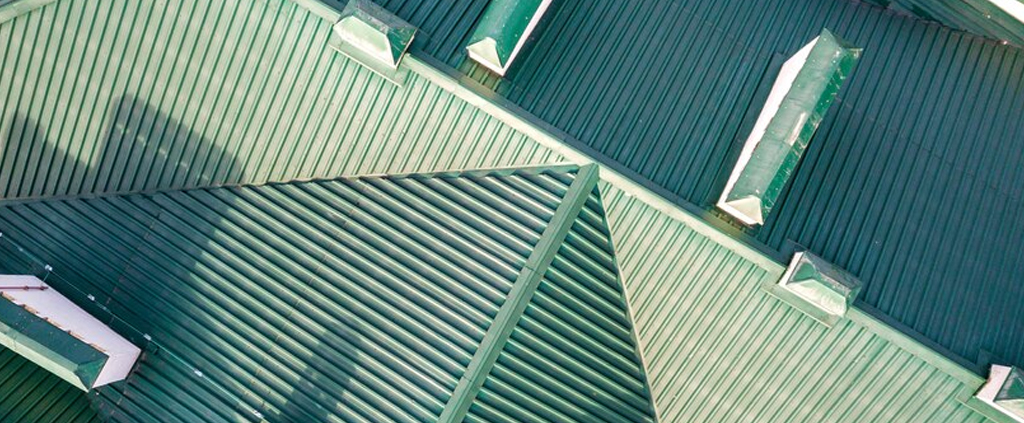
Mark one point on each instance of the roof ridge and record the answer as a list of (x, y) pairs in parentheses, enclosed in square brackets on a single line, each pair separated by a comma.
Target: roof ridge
[(526, 284), (481, 172)]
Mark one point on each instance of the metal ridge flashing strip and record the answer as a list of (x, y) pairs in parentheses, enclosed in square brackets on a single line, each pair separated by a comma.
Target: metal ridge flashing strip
[(522, 291), (10, 9)]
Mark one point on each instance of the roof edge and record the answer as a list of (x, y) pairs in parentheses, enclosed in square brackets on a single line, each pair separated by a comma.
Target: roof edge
[(449, 173)]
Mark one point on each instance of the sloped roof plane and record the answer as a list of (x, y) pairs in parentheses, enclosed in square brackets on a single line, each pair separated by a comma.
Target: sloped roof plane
[(710, 338), (347, 300)]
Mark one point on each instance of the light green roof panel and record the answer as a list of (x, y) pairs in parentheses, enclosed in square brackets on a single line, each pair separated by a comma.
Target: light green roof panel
[(718, 347), (341, 300), (248, 94)]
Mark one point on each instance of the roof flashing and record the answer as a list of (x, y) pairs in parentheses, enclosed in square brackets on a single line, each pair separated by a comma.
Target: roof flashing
[(820, 289), (1005, 391), (372, 36), (801, 95), (10, 9), (503, 30), (43, 326)]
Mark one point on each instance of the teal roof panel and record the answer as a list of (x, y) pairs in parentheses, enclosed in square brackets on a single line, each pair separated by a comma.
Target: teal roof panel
[(911, 182), (572, 356), (341, 300), (34, 395)]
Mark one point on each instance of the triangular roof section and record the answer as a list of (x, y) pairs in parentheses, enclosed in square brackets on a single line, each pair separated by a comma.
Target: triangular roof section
[(353, 299), (355, 126)]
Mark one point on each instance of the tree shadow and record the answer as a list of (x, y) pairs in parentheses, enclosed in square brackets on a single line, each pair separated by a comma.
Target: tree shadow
[(215, 312)]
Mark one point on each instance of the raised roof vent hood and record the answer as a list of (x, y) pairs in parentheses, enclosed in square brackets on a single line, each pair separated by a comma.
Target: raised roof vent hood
[(818, 288), (802, 93), (372, 36), (43, 326), (503, 30), (1005, 391)]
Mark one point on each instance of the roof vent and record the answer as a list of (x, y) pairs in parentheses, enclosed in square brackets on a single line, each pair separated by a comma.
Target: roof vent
[(372, 36), (819, 288), (1005, 391), (503, 30), (802, 93), (43, 326)]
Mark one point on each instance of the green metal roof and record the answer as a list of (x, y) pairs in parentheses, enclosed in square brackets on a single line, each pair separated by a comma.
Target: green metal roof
[(245, 341), (572, 355), (982, 17), (87, 107), (719, 348), (911, 182), (32, 394), (346, 300)]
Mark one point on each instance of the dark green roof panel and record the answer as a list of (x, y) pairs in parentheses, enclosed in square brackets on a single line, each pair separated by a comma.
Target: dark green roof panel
[(33, 395), (342, 300), (911, 181), (572, 356)]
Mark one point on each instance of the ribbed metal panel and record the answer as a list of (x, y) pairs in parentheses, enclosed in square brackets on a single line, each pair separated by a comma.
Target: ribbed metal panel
[(718, 348), (444, 25), (980, 17), (572, 356), (344, 300), (33, 395), (911, 183), (123, 95)]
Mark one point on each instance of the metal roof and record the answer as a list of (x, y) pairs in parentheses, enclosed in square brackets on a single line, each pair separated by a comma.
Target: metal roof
[(719, 348), (572, 355), (253, 350), (911, 182), (345, 300), (32, 394), (89, 108)]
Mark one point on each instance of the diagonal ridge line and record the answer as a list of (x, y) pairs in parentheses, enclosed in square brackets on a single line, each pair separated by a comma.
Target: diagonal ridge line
[(519, 297)]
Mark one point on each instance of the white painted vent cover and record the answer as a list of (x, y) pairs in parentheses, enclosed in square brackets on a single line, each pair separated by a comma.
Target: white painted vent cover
[(1005, 391)]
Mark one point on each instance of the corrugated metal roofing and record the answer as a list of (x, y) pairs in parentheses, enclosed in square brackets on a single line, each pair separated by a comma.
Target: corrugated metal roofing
[(103, 96), (31, 394), (982, 17), (911, 182), (344, 300), (718, 348), (117, 61), (572, 356)]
